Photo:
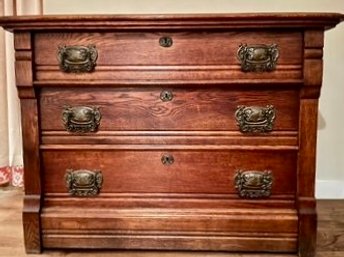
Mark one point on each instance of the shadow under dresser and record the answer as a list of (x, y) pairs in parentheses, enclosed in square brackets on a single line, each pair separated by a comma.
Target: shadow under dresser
[(171, 132)]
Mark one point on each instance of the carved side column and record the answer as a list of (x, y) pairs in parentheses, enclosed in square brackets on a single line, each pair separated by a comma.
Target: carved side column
[(313, 45), (32, 182)]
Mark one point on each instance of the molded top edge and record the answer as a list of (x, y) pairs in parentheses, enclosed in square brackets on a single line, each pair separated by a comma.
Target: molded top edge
[(173, 21)]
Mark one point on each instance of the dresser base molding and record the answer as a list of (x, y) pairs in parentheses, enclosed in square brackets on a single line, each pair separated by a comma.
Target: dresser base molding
[(223, 229), (146, 117), (158, 242), (32, 223)]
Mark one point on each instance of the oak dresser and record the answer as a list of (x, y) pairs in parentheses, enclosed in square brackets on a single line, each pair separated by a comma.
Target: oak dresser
[(178, 132)]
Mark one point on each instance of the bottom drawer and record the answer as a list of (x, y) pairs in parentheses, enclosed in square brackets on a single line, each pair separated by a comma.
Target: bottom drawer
[(244, 173), (148, 228), (170, 200)]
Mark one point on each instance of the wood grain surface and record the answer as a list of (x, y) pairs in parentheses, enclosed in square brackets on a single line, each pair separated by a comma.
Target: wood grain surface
[(329, 244), (190, 109), (193, 171), (193, 55), (188, 48), (134, 209), (208, 21)]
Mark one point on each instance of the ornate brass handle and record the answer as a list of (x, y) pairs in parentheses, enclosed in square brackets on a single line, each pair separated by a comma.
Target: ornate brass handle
[(255, 118), (258, 57), (253, 184), (167, 159), (83, 182), (77, 59), (166, 96), (81, 118)]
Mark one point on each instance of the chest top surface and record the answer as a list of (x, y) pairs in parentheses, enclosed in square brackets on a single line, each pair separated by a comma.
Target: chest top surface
[(173, 21)]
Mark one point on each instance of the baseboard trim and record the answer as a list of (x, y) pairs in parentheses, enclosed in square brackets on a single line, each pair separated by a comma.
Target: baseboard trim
[(329, 189)]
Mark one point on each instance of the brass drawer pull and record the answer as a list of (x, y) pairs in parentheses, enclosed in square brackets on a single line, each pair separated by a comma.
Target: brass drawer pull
[(165, 41), (253, 184), (258, 58), (167, 159), (255, 118), (83, 182), (166, 96), (77, 59), (81, 118)]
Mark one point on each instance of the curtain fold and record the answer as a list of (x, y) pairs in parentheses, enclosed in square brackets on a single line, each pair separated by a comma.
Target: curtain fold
[(11, 160)]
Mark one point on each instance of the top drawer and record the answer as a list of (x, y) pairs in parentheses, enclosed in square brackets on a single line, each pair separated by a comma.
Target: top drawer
[(155, 55)]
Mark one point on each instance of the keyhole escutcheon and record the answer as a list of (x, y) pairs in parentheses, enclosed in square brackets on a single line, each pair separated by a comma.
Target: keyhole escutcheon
[(166, 96)]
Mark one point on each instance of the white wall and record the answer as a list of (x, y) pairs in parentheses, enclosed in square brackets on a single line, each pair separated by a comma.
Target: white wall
[(330, 153)]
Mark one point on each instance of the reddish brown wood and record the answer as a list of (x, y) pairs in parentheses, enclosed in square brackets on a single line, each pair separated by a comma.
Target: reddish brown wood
[(138, 57), (190, 109), (191, 204), (192, 171), (188, 48), (166, 76), (30, 130), (174, 21), (171, 201), (313, 40), (235, 139), (220, 225), (194, 221), (176, 242)]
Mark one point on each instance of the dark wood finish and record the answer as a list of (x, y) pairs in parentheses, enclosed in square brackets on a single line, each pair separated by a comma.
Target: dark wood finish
[(30, 130), (329, 243), (192, 203), (174, 21), (138, 55), (189, 48), (313, 40), (193, 171), (231, 139), (190, 109)]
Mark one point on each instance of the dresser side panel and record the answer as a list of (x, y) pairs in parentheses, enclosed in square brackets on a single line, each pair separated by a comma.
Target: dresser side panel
[(30, 131), (313, 44)]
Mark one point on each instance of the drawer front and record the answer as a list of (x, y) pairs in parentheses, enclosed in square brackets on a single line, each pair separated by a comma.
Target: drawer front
[(189, 229), (147, 55), (173, 171), (167, 109)]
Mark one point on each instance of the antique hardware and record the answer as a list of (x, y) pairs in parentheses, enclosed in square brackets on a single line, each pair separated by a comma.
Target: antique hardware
[(83, 182), (77, 59), (165, 41), (81, 119), (166, 96), (255, 118), (167, 159), (258, 57), (253, 184)]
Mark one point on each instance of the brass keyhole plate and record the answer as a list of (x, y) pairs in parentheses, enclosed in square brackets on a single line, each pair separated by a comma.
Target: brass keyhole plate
[(167, 159), (166, 96), (165, 41)]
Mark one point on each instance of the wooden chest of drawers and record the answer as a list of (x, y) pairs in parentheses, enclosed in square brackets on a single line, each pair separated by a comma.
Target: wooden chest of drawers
[(189, 132)]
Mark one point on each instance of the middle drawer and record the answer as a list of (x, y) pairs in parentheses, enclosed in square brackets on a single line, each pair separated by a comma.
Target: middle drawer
[(155, 108)]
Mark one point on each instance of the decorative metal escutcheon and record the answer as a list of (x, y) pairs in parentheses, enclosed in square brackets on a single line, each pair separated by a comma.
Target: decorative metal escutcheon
[(253, 184), (77, 59), (81, 119), (255, 119), (165, 41), (167, 159), (83, 182), (166, 96), (258, 58)]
